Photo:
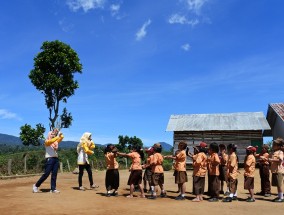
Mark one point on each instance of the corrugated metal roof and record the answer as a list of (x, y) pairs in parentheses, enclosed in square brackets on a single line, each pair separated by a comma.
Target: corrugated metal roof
[(218, 122), (278, 108), (274, 110)]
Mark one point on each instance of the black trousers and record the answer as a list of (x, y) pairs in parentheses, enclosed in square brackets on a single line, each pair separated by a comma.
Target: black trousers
[(81, 173)]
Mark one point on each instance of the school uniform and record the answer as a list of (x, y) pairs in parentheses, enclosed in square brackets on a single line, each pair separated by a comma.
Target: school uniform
[(112, 173), (213, 175), (135, 176), (199, 172), (277, 169), (223, 167), (249, 167), (264, 174), (180, 167), (232, 172), (156, 161)]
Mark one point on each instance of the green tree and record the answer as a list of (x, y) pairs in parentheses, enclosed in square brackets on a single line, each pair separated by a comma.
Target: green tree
[(32, 136), (125, 142), (53, 76)]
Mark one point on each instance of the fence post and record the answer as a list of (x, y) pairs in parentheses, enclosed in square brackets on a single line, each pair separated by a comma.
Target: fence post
[(61, 167), (68, 165), (25, 164), (92, 164), (10, 167)]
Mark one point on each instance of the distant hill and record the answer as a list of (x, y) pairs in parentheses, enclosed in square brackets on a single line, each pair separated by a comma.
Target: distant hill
[(14, 141), (166, 147)]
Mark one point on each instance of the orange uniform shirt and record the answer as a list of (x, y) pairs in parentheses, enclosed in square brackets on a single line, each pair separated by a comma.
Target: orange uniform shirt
[(249, 166), (199, 164), (156, 161), (111, 160), (277, 167), (136, 161), (224, 159), (213, 164), (232, 167), (264, 158), (180, 162)]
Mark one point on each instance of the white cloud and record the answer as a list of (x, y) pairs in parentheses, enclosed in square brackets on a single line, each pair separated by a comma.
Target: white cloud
[(195, 5), (66, 27), (86, 5), (141, 33), (5, 114), (114, 8), (180, 19), (186, 47)]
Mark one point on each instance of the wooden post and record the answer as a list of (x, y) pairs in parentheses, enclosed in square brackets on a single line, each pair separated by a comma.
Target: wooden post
[(61, 167), (92, 164), (25, 164), (10, 167), (68, 164), (126, 162)]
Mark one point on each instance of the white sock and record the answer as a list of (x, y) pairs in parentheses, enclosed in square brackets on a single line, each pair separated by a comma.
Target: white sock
[(182, 195), (231, 195), (280, 195)]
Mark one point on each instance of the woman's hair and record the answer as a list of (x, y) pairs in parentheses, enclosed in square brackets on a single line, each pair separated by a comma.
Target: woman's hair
[(214, 147)]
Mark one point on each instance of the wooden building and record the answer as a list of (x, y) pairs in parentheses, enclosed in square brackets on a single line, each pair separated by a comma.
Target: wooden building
[(275, 118), (243, 129)]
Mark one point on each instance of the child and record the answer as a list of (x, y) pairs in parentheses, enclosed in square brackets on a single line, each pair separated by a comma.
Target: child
[(180, 168), (112, 173), (147, 177), (156, 163), (213, 172), (249, 166), (199, 170), (84, 148), (264, 172), (223, 156), (277, 168), (232, 173), (135, 177), (52, 162)]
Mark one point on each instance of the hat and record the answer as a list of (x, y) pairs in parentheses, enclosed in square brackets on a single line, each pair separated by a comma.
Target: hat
[(251, 148), (202, 145)]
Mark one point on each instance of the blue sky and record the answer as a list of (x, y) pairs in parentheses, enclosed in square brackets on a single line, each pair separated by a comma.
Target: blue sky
[(143, 60)]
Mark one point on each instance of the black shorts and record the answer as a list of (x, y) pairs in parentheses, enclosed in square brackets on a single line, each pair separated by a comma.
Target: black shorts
[(135, 177)]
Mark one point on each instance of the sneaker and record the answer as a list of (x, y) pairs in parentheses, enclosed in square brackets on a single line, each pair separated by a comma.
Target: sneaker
[(213, 200), (180, 198), (108, 194), (278, 200), (227, 193), (267, 195), (249, 199), (82, 188), (227, 199), (35, 189), (94, 186), (163, 195), (152, 197), (235, 198), (54, 191), (114, 193), (260, 193)]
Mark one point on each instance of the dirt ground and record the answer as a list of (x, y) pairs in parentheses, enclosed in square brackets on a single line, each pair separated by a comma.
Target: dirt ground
[(16, 197)]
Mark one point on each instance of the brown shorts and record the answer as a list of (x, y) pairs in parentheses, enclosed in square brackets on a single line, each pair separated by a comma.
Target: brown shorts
[(233, 185), (223, 173), (248, 183), (277, 179), (180, 177), (147, 174), (198, 185), (135, 177), (157, 178)]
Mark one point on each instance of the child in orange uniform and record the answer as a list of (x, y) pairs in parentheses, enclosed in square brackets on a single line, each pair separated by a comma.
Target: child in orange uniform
[(156, 163), (180, 168), (232, 172), (199, 170), (147, 177), (277, 168), (112, 173), (249, 166), (223, 169), (213, 172), (135, 177)]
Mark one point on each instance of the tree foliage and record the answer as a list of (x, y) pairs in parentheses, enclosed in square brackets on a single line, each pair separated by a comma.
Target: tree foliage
[(32, 136), (125, 143), (53, 76)]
